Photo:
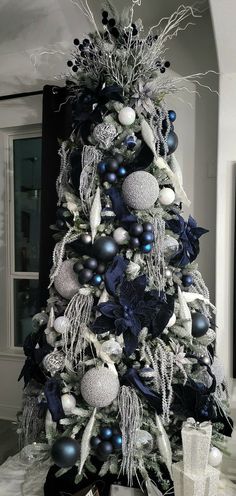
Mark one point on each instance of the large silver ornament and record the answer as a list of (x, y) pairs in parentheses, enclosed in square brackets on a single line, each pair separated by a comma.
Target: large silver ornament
[(144, 441), (99, 387), (105, 134), (54, 362), (140, 190), (66, 282)]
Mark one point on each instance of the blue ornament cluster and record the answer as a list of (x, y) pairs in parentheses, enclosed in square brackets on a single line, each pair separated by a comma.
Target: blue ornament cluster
[(112, 169), (172, 138), (107, 442), (90, 271), (141, 236)]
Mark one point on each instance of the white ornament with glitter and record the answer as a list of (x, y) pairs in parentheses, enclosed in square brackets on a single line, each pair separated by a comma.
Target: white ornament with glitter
[(126, 116)]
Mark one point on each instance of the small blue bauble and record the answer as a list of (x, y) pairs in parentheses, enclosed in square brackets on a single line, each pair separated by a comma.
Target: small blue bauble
[(136, 229), (121, 172), (147, 237), (105, 433), (187, 280), (146, 248), (172, 142), (110, 177), (172, 115), (112, 165), (116, 430), (147, 226), (130, 142), (117, 441), (96, 280), (134, 242), (103, 450), (95, 441), (101, 167)]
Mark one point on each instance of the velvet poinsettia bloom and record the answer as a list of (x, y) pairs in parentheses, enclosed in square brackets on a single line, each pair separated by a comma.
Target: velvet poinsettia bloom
[(189, 234), (133, 309)]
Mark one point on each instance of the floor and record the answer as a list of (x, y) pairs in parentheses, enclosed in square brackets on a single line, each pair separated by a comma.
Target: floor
[(8, 439)]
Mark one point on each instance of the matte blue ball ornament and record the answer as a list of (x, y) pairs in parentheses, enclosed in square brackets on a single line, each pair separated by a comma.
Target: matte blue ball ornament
[(172, 142), (95, 441), (146, 248), (200, 325), (117, 441), (187, 280), (106, 433), (65, 452), (147, 237), (96, 280), (105, 248), (101, 167), (147, 226), (110, 177), (103, 450), (172, 115)]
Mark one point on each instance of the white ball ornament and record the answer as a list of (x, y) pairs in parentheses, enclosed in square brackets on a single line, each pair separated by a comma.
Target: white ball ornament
[(61, 324), (66, 282), (215, 457), (126, 116), (68, 402), (140, 190), (166, 196), (172, 320), (99, 387), (121, 236)]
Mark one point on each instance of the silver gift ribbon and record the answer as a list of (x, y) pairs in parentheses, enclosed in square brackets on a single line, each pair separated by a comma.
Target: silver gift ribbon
[(192, 424)]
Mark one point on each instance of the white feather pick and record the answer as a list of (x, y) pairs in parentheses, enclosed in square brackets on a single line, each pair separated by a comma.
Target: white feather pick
[(163, 444), (95, 213), (85, 442), (149, 138), (175, 167), (184, 313), (190, 297), (50, 427)]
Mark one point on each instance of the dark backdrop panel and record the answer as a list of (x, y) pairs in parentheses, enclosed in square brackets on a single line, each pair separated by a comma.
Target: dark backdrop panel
[(55, 125)]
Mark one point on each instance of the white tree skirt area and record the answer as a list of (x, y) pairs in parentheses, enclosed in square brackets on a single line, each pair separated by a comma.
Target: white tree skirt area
[(20, 476)]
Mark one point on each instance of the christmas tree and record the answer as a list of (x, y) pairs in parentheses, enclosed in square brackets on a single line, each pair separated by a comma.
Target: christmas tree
[(125, 348)]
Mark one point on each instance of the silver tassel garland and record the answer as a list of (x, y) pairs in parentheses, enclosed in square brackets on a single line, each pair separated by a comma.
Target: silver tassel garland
[(155, 260), (59, 252), (130, 409), (90, 158), (63, 178)]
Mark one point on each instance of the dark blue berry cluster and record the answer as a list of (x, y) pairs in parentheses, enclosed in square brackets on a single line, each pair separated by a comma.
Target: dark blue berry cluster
[(107, 442), (111, 169), (85, 50), (141, 236), (90, 271)]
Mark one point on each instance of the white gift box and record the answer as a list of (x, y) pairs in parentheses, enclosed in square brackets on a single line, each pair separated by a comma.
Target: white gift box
[(196, 440), (195, 485), (117, 490)]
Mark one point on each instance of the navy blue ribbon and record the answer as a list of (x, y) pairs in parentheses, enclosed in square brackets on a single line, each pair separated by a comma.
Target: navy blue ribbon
[(53, 394)]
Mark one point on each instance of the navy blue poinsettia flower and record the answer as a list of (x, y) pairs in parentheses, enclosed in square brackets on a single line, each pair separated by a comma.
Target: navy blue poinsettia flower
[(189, 234), (133, 309)]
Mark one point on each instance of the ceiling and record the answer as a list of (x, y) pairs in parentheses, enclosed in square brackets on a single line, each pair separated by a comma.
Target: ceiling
[(36, 37)]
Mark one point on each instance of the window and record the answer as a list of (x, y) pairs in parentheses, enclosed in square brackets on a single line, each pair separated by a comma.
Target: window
[(24, 191)]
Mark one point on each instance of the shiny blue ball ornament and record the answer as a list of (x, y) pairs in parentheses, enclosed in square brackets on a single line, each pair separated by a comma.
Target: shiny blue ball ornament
[(187, 280), (105, 248), (117, 441), (96, 280), (172, 115), (106, 433), (172, 142), (110, 177), (147, 237), (146, 248), (147, 226), (103, 450), (121, 171), (65, 452), (101, 167), (95, 441)]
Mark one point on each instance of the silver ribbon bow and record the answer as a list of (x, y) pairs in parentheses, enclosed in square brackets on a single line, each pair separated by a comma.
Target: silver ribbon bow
[(191, 423)]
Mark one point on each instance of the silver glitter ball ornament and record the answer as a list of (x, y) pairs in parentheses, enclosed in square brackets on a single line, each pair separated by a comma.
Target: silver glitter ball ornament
[(121, 236), (54, 362), (66, 282), (140, 190), (170, 246), (105, 134), (39, 319), (112, 349), (144, 441), (99, 387)]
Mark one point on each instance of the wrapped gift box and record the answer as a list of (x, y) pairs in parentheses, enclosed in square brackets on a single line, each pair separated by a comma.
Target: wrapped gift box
[(117, 490), (195, 485), (196, 439)]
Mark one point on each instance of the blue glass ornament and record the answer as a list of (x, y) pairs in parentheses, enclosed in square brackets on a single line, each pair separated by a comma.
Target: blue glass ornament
[(172, 115), (146, 248), (105, 248), (117, 441), (134, 242), (103, 450), (147, 237), (95, 441), (101, 167), (147, 226), (112, 165), (121, 171), (106, 433), (172, 142), (200, 324), (96, 280), (136, 229), (187, 280), (110, 177), (65, 452)]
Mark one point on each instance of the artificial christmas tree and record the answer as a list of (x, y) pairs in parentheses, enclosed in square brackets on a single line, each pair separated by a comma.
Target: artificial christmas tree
[(125, 349)]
